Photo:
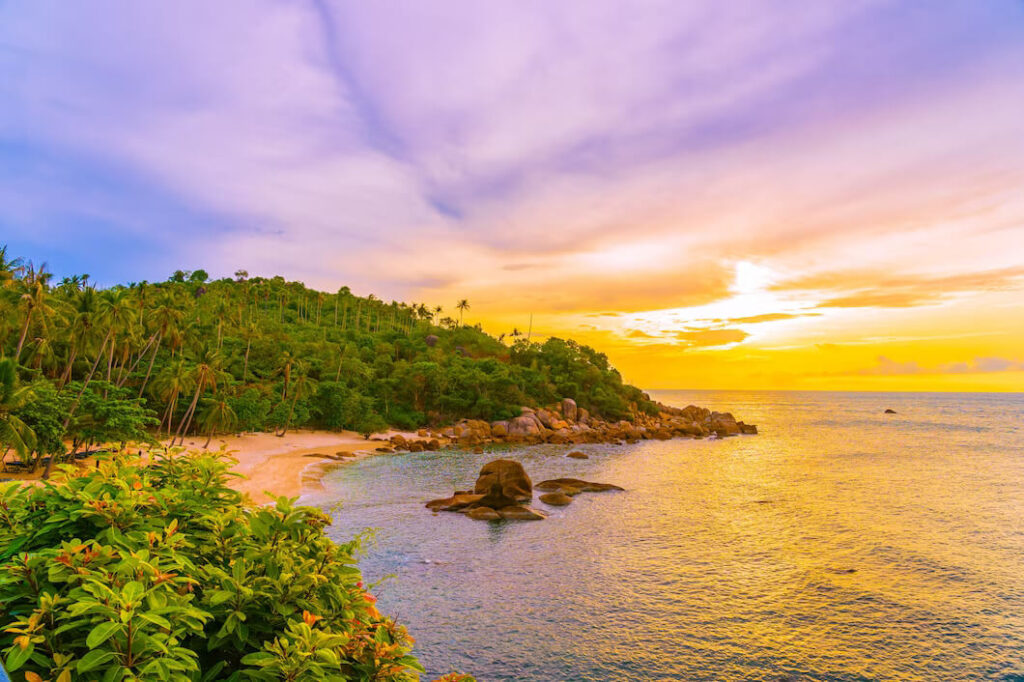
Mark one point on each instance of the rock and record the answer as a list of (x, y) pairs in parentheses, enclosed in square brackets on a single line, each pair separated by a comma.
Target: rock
[(422, 433), (456, 502), (525, 425), (431, 340), (890, 411), (546, 418), (387, 451), (569, 410), (478, 450), (568, 485), (416, 446), (483, 514), (556, 499), (576, 454), (520, 513), (433, 444), (499, 429), (747, 429), (724, 424), (504, 480)]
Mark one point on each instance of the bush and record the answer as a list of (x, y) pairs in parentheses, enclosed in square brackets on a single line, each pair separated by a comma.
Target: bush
[(159, 572)]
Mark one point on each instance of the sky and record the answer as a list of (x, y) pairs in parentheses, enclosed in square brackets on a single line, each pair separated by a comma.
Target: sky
[(824, 194)]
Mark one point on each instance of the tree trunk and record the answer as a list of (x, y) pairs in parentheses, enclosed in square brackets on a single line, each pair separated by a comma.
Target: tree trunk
[(186, 419), (245, 366), (65, 376), (24, 333), (78, 398), (291, 411), (149, 370)]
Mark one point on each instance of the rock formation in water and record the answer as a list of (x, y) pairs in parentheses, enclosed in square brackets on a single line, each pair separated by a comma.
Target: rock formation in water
[(500, 492), (890, 411)]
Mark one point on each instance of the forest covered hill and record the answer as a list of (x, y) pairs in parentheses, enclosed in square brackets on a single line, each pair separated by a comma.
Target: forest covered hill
[(190, 356)]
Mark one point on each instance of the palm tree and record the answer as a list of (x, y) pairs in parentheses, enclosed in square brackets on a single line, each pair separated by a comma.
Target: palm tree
[(437, 313), (33, 300), (166, 318), (205, 374), (9, 269), (217, 416), (301, 386), (463, 306), (285, 370), (14, 433), (169, 384)]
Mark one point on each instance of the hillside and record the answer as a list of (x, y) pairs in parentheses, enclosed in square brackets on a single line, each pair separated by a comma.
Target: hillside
[(192, 356)]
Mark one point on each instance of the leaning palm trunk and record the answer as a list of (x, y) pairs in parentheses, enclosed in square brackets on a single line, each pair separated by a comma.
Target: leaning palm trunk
[(78, 398), (291, 411), (152, 359), (24, 333), (186, 419)]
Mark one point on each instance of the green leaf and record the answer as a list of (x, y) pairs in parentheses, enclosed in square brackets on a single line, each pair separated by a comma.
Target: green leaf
[(260, 658), (93, 660), (101, 633), (17, 657)]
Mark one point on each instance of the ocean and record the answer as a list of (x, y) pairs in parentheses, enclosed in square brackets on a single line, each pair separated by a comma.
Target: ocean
[(842, 543)]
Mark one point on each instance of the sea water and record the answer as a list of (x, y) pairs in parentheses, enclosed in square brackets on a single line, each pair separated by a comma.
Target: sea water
[(841, 543)]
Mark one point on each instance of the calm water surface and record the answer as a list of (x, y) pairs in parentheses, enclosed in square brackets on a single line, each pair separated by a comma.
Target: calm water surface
[(840, 544)]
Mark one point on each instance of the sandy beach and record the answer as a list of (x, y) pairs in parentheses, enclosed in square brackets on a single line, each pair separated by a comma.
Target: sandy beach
[(273, 466)]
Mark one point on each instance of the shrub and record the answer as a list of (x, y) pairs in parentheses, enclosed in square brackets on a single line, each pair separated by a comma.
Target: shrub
[(159, 572)]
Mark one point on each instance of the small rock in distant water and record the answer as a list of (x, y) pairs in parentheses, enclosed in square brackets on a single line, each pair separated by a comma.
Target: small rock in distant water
[(841, 571), (556, 499), (576, 454), (890, 411)]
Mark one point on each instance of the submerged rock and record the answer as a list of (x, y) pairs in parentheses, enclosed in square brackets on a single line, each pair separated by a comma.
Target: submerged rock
[(576, 454), (484, 514), (456, 502), (890, 411), (574, 486), (556, 499), (520, 513)]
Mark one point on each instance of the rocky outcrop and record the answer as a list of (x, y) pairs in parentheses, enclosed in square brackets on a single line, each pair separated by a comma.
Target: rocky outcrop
[(569, 410), (500, 492)]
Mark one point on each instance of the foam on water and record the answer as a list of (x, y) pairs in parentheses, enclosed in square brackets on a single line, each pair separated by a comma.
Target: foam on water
[(840, 544)]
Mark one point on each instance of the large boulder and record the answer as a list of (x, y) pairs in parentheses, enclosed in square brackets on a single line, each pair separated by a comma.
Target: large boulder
[(569, 409), (525, 425), (499, 429), (431, 340), (724, 424), (503, 480)]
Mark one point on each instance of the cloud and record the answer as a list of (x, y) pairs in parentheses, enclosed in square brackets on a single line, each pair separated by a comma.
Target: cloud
[(766, 317), (889, 367), (705, 338), (876, 289)]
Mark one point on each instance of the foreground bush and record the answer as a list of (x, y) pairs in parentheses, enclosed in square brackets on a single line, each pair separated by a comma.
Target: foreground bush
[(159, 572)]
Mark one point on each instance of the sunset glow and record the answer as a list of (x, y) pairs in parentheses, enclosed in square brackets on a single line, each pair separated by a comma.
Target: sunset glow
[(816, 195)]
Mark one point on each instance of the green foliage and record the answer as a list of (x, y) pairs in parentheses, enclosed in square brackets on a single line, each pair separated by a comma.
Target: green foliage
[(160, 573)]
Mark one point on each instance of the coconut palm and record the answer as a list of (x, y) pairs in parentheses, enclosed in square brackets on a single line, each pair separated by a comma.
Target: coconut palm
[(207, 373), (462, 306), (34, 300), (217, 416), (14, 433), (302, 386), (168, 385)]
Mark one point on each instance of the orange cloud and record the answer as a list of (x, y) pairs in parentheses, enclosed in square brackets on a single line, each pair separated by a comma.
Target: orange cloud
[(875, 289), (703, 338)]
